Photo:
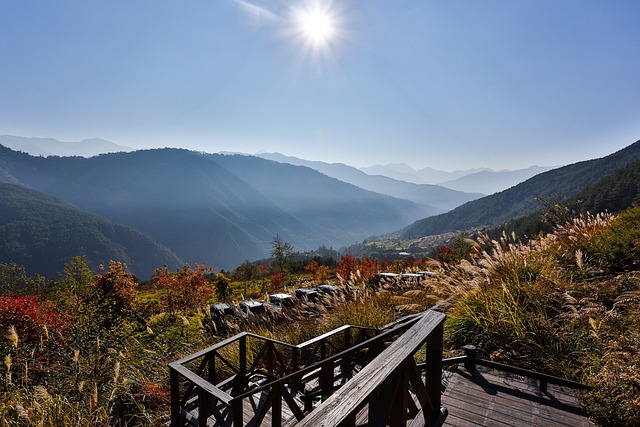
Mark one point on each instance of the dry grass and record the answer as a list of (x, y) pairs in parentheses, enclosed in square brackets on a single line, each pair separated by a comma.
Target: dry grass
[(561, 304)]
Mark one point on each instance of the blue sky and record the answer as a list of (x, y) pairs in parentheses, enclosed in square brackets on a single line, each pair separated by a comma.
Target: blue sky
[(449, 84)]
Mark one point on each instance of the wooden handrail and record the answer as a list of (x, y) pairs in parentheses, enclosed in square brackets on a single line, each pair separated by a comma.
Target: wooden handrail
[(202, 383), (331, 359), (343, 405), (324, 336), (271, 340), (209, 395), (470, 360), (209, 349)]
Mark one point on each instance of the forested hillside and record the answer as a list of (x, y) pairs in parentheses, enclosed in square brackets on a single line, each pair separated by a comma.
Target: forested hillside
[(43, 233), (557, 184), (435, 197), (220, 210), (613, 194)]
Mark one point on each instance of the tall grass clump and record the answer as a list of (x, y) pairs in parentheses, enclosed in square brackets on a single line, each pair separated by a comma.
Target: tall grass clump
[(568, 304)]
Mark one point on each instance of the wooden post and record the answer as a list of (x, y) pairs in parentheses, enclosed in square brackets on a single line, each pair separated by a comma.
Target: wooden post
[(471, 352), (345, 364), (241, 383), (326, 373), (295, 359), (347, 338), (211, 361), (269, 353), (236, 407), (276, 406), (433, 371), (204, 407), (174, 381), (401, 399)]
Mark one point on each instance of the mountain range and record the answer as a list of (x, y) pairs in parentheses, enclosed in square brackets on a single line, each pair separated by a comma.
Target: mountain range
[(398, 180), (424, 185), (42, 233), (213, 208), (434, 196), (555, 185), (174, 206), (481, 180), (53, 147)]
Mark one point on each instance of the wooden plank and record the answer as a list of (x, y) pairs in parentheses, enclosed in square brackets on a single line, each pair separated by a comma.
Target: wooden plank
[(203, 384), (323, 336), (512, 392), (209, 349), (501, 400)]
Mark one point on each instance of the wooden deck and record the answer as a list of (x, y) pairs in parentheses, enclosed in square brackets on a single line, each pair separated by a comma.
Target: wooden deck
[(354, 376), (492, 398)]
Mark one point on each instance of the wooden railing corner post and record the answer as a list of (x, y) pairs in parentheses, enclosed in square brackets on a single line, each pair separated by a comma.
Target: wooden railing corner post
[(174, 382), (433, 371), (295, 359), (211, 362), (204, 407), (237, 413), (471, 352)]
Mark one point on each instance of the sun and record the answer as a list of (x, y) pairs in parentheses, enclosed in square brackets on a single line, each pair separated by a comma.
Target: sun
[(317, 26), (317, 31)]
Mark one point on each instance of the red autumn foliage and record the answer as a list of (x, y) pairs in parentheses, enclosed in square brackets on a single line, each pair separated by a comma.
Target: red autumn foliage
[(186, 288), (349, 265), (445, 254), (276, 280), (29, 316)]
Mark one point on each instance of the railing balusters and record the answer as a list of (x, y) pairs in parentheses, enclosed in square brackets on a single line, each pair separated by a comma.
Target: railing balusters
[(285, 378), (204, 407)]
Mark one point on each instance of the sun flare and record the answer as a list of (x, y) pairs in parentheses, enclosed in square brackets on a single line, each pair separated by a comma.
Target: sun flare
[(317, 26), (317, 30)]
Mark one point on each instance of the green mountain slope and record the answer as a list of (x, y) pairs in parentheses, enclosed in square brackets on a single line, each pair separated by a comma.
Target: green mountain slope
[(613, 193), (43, 233), (435, 198), (518, 201), (220, 210)]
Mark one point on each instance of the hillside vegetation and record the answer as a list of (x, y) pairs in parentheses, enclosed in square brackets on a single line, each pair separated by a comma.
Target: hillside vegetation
[(567, 303), (558, 184), (215, 209), (92, 349), (613, 193), (43, 233)]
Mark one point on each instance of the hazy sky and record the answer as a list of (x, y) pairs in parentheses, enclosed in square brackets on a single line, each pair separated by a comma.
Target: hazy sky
[(449, 84)]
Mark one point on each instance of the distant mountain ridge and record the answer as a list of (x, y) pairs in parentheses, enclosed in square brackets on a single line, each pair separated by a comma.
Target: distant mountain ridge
[(437, 198), (426, 175), (518, 201), (614, 193), (490, 182), (216, 209), (480, 180), (53, 147), (43, 233)]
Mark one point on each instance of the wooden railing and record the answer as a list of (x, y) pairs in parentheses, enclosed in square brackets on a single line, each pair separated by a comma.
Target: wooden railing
[(470, 360), (248, 371), (380, 393)]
